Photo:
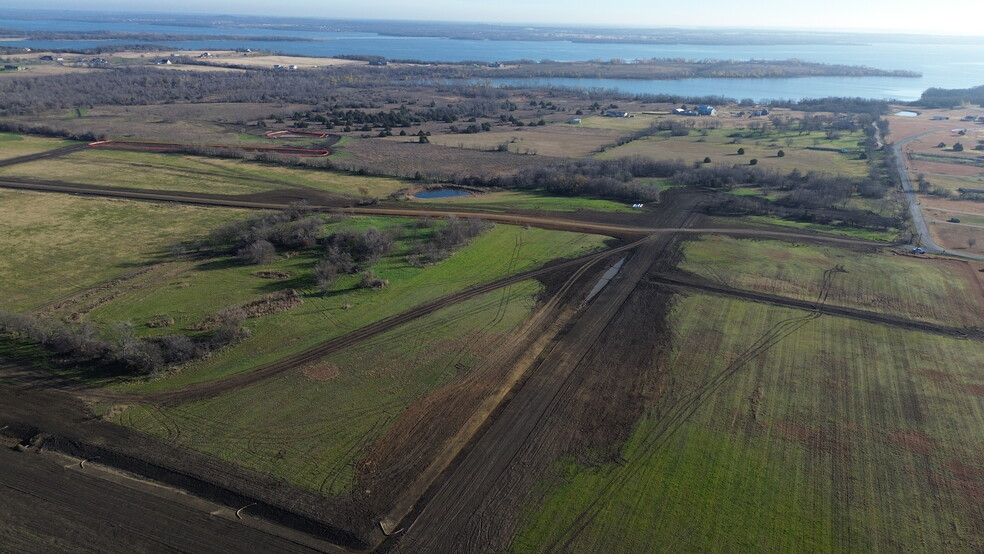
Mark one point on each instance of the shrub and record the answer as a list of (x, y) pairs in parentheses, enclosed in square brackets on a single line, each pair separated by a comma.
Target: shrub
[(371, 281)]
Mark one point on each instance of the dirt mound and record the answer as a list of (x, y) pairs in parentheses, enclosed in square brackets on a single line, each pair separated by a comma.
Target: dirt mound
[(273, 303), (272, 274)]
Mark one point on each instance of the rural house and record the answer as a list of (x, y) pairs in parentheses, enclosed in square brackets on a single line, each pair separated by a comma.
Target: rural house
[(704, 109)]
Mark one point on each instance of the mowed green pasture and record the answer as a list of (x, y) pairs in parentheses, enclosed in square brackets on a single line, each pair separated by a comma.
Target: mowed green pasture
[(722, 149), (13, 145), (310, 427), (783, 432), (184, 173), (56, 244), (937, 291), (637, 122), (208, 287), (516, 200)]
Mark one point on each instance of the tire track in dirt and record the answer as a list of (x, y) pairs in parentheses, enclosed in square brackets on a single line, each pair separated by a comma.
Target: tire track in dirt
[(680, 411)]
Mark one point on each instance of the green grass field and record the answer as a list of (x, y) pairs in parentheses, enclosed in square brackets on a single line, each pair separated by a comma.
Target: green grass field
[(311, 426), (56, 244), (926, 290), (191, 295), (722, 149), (779, 433), (14, 145), (637, 122), (184, 173)]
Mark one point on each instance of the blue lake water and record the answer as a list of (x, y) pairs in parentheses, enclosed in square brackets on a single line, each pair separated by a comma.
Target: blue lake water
[(942, 65)]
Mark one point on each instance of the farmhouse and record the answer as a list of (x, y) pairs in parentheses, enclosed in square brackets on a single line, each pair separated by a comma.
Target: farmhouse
[(704, 109), (575, 121), (616, 113)]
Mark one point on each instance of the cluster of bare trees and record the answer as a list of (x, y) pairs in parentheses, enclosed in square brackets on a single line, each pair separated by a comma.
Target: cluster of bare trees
[(255, 240), (444, 238), (352, 251), (116, 346)]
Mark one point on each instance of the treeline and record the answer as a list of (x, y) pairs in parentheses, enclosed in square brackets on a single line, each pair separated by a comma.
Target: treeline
[(347, 117), (835, 104), (47, 131), (142, 86), (616, 179), (949, 98), (588, 177), (116, 345), (730, 205)]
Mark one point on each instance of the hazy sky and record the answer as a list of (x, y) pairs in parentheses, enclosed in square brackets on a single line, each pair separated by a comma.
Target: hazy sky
[(897, 15)]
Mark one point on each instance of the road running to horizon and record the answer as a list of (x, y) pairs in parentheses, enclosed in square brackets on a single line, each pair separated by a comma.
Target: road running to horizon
[(918, 220)]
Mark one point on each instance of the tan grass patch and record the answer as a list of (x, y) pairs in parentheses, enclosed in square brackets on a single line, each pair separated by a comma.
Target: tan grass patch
[(977, 390), (321, 372)]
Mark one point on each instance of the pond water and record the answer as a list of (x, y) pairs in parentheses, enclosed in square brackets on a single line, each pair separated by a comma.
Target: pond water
[(442, 193), (906, 114), (605, 279)]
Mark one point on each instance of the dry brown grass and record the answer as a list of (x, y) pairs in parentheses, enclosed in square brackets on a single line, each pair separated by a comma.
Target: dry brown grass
[(955, 236), (218, 123), (901, 127), (433, 160), (559, 139), (692, 148)]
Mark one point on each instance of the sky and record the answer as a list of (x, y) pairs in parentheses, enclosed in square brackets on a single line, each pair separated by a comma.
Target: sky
[(962, 18)]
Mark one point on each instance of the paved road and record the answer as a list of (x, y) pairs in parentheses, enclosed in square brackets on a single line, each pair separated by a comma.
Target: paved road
[(918, 221)]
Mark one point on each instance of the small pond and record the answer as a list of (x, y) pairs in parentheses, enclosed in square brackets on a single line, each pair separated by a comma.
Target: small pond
[(441, 193), (906, 114)]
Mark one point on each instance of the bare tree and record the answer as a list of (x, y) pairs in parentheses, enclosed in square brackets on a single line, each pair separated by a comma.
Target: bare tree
[(258, 252)]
